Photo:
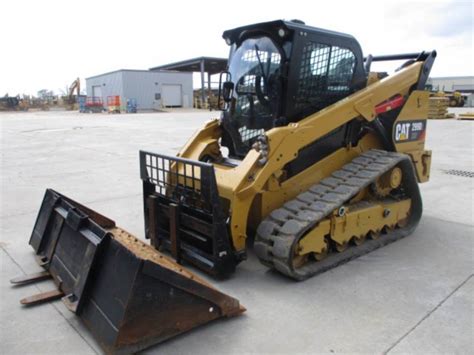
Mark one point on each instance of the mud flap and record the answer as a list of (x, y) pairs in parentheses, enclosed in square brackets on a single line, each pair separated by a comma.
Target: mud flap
[(128, 294)]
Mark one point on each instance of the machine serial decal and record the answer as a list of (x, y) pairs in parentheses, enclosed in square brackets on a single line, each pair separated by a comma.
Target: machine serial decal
[(409, 131)]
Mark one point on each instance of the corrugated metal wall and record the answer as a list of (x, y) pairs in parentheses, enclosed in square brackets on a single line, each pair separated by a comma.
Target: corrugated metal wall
[(111, 85), (144, 86), (465, 83)]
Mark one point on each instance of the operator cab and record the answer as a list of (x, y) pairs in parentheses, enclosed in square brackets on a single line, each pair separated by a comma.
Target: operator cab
[(280, 72)]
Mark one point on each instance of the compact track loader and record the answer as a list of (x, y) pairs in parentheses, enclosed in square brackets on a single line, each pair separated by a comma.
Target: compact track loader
[(315, 157), (315, 160)]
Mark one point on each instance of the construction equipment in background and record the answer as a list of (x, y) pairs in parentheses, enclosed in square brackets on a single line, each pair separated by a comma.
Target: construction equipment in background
[(13, 103), (9, 103), (132, 106), (81, 100), (94, 104), (113, 104), (456, 99), (315, 161), (73, 100), (128, 294), (438, 106)]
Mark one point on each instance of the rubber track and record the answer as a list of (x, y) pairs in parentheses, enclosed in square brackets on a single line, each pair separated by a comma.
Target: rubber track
[(279, 233)]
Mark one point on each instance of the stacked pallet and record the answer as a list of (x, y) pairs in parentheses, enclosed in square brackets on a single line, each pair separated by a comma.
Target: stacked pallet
[(209, 104), (438, 107)]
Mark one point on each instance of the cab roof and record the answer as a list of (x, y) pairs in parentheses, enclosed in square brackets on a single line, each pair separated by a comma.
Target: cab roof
[(273, 26)]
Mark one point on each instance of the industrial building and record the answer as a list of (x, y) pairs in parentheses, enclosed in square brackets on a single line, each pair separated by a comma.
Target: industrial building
[(152, 90), (203, 65), (452, 83)]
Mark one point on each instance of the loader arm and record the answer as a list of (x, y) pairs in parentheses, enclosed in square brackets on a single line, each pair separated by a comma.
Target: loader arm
[(285, 142)]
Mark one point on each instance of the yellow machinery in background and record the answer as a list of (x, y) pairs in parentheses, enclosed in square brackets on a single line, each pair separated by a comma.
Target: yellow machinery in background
[(456, 99), (72, 101)]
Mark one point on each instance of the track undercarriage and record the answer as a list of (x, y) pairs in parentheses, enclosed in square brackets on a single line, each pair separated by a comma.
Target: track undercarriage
[(370, 202)]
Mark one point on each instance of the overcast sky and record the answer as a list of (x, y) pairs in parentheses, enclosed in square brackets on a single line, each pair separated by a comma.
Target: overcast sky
[(46, 44)]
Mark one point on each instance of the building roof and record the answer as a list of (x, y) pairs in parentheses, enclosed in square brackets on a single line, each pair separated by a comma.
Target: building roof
[(136, 70), (212, 65)]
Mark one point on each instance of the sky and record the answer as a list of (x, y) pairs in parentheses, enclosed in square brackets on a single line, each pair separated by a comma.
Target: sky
[(46, 44)]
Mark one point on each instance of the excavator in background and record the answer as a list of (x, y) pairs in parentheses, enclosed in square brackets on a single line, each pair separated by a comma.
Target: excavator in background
[(75, 86), (71, 99), (315, 160)]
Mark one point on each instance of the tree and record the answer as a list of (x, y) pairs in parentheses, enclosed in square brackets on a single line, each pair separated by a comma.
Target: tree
[(45, 94)]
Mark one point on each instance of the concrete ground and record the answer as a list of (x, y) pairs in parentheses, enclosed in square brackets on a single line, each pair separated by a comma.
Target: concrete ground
[(413, 296)]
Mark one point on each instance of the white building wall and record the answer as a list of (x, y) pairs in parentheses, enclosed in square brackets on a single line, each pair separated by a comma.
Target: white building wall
[(470, 101), (453, 83), (144, 86), (183, 79), (111, 85)]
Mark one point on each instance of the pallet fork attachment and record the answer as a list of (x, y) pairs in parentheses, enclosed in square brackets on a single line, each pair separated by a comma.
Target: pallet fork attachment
[(129, 295)]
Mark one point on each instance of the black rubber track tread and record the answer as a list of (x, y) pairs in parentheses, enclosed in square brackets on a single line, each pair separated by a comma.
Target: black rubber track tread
[(321, 200)]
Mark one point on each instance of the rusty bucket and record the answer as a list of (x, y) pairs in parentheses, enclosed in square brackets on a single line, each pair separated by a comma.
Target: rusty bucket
[(129, 295)]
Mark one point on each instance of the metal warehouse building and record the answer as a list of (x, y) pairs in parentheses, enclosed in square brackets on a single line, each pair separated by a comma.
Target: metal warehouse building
[(150, 89), (453, 83)]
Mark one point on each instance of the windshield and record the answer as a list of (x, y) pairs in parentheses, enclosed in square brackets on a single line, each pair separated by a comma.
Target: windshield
[(255, 70)]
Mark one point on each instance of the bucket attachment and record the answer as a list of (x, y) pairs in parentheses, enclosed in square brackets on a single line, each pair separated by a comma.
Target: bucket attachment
[(128, 294)]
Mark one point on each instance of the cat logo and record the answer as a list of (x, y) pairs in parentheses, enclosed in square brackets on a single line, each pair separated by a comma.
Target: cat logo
[(402, 131), (409, 131)]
